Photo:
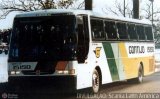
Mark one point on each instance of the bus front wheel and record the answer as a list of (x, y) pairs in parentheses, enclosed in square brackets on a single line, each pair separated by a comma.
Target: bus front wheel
[(95, 81)]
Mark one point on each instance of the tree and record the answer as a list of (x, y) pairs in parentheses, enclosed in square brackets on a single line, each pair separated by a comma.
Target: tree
[(8, 6), (4, 36), (118, 9), (156, 21), (148, 13), (157, 34)]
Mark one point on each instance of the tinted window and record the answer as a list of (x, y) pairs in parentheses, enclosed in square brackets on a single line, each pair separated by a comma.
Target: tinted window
[(140, 32), (122, 30), (97, 29), (110, 30), (149, 34), (132, 32)]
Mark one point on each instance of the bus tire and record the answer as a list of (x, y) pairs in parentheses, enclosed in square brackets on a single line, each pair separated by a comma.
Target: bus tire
[(95, 81), (139, 79)]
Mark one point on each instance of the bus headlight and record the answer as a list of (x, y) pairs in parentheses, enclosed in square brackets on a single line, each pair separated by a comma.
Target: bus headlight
[(15, 72), (18, 72)]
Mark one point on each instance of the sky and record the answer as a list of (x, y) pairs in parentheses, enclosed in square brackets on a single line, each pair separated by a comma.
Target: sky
[(98, 6)]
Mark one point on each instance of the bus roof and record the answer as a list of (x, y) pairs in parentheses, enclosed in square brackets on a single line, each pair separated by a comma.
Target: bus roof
[(51, 12)]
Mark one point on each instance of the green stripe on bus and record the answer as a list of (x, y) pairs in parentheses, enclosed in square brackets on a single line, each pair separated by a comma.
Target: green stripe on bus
[(111, 61)]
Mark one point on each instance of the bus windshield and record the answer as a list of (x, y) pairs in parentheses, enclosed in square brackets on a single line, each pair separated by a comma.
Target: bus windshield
[(43, 38)]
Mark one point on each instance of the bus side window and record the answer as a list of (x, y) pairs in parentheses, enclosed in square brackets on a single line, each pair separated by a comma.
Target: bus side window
[(97, 29), (132, 32), (149, 34), (110, 30), (122, 30), (140, 32)]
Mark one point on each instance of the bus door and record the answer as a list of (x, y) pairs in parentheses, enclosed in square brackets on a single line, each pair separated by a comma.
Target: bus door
[(83, 38)]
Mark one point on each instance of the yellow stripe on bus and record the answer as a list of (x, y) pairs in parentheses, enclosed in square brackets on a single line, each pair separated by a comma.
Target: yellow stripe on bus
[(131, 65)]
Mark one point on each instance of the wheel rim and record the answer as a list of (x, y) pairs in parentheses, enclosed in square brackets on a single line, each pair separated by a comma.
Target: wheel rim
[(95, 82)]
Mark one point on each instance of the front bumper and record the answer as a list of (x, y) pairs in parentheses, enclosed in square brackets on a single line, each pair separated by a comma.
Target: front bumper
[(68, 81)]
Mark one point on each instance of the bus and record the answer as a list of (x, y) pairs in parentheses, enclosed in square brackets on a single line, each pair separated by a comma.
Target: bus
[(81, 48)]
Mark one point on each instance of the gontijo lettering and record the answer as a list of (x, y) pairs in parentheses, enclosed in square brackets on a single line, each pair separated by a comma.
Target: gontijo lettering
[(136, 49)]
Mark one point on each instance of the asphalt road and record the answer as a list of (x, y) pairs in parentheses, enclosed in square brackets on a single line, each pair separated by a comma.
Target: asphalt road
[(149, 89)]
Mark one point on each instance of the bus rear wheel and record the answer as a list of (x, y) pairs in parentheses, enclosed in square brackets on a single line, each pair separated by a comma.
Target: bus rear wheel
[(140, 75), (139, 78), (95, 81)]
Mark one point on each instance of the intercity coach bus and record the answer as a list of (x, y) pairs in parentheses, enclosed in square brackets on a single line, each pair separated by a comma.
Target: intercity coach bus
[(79, 47)]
